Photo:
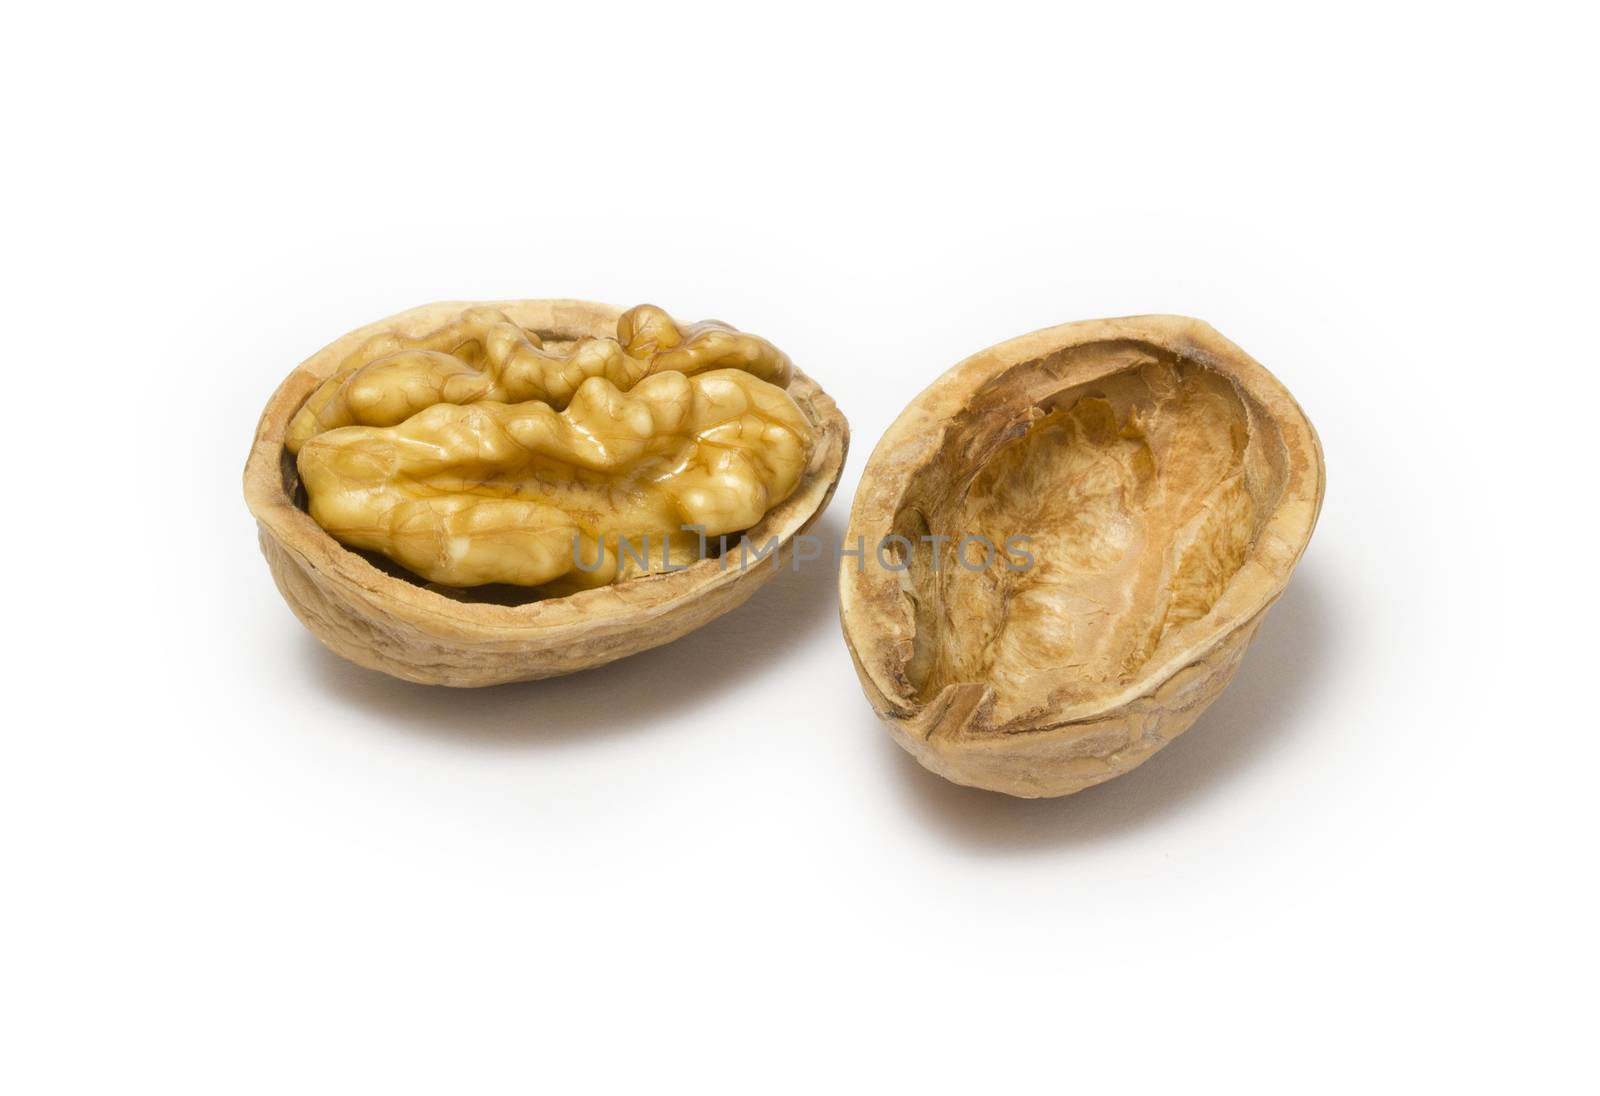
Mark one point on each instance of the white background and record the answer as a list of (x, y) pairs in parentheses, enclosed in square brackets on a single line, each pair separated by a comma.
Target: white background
[(234, 863)]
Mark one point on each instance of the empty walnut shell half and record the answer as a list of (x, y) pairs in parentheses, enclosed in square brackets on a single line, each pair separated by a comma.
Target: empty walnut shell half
[(375, 460), (1067, 542)]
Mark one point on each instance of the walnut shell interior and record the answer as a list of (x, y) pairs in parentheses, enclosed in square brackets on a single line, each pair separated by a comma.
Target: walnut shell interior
[(1159, 486), (375, 613)]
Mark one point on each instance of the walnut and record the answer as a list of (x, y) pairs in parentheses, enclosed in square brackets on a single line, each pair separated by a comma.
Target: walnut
[(471, 490), (470, 494), (1141, 489)]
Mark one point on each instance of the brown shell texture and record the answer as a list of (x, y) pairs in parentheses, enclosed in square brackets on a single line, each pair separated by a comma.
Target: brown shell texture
[(379, 617), (1083, 529)]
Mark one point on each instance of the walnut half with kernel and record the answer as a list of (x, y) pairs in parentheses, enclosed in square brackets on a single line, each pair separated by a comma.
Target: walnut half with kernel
[(1139, 491), (469, 494)]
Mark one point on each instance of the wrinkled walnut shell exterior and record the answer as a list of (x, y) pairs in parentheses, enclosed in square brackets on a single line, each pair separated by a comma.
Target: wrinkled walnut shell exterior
[(388, 623), (1050, 741)]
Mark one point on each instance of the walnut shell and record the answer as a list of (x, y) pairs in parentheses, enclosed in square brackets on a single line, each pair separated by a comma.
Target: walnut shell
[(1162, 485), (379, 616)]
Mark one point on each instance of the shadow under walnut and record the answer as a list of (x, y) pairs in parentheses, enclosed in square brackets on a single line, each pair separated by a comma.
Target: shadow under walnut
[(376, 615)]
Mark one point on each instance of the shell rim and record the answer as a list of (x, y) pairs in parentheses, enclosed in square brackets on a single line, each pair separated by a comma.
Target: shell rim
[(917, 435)]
